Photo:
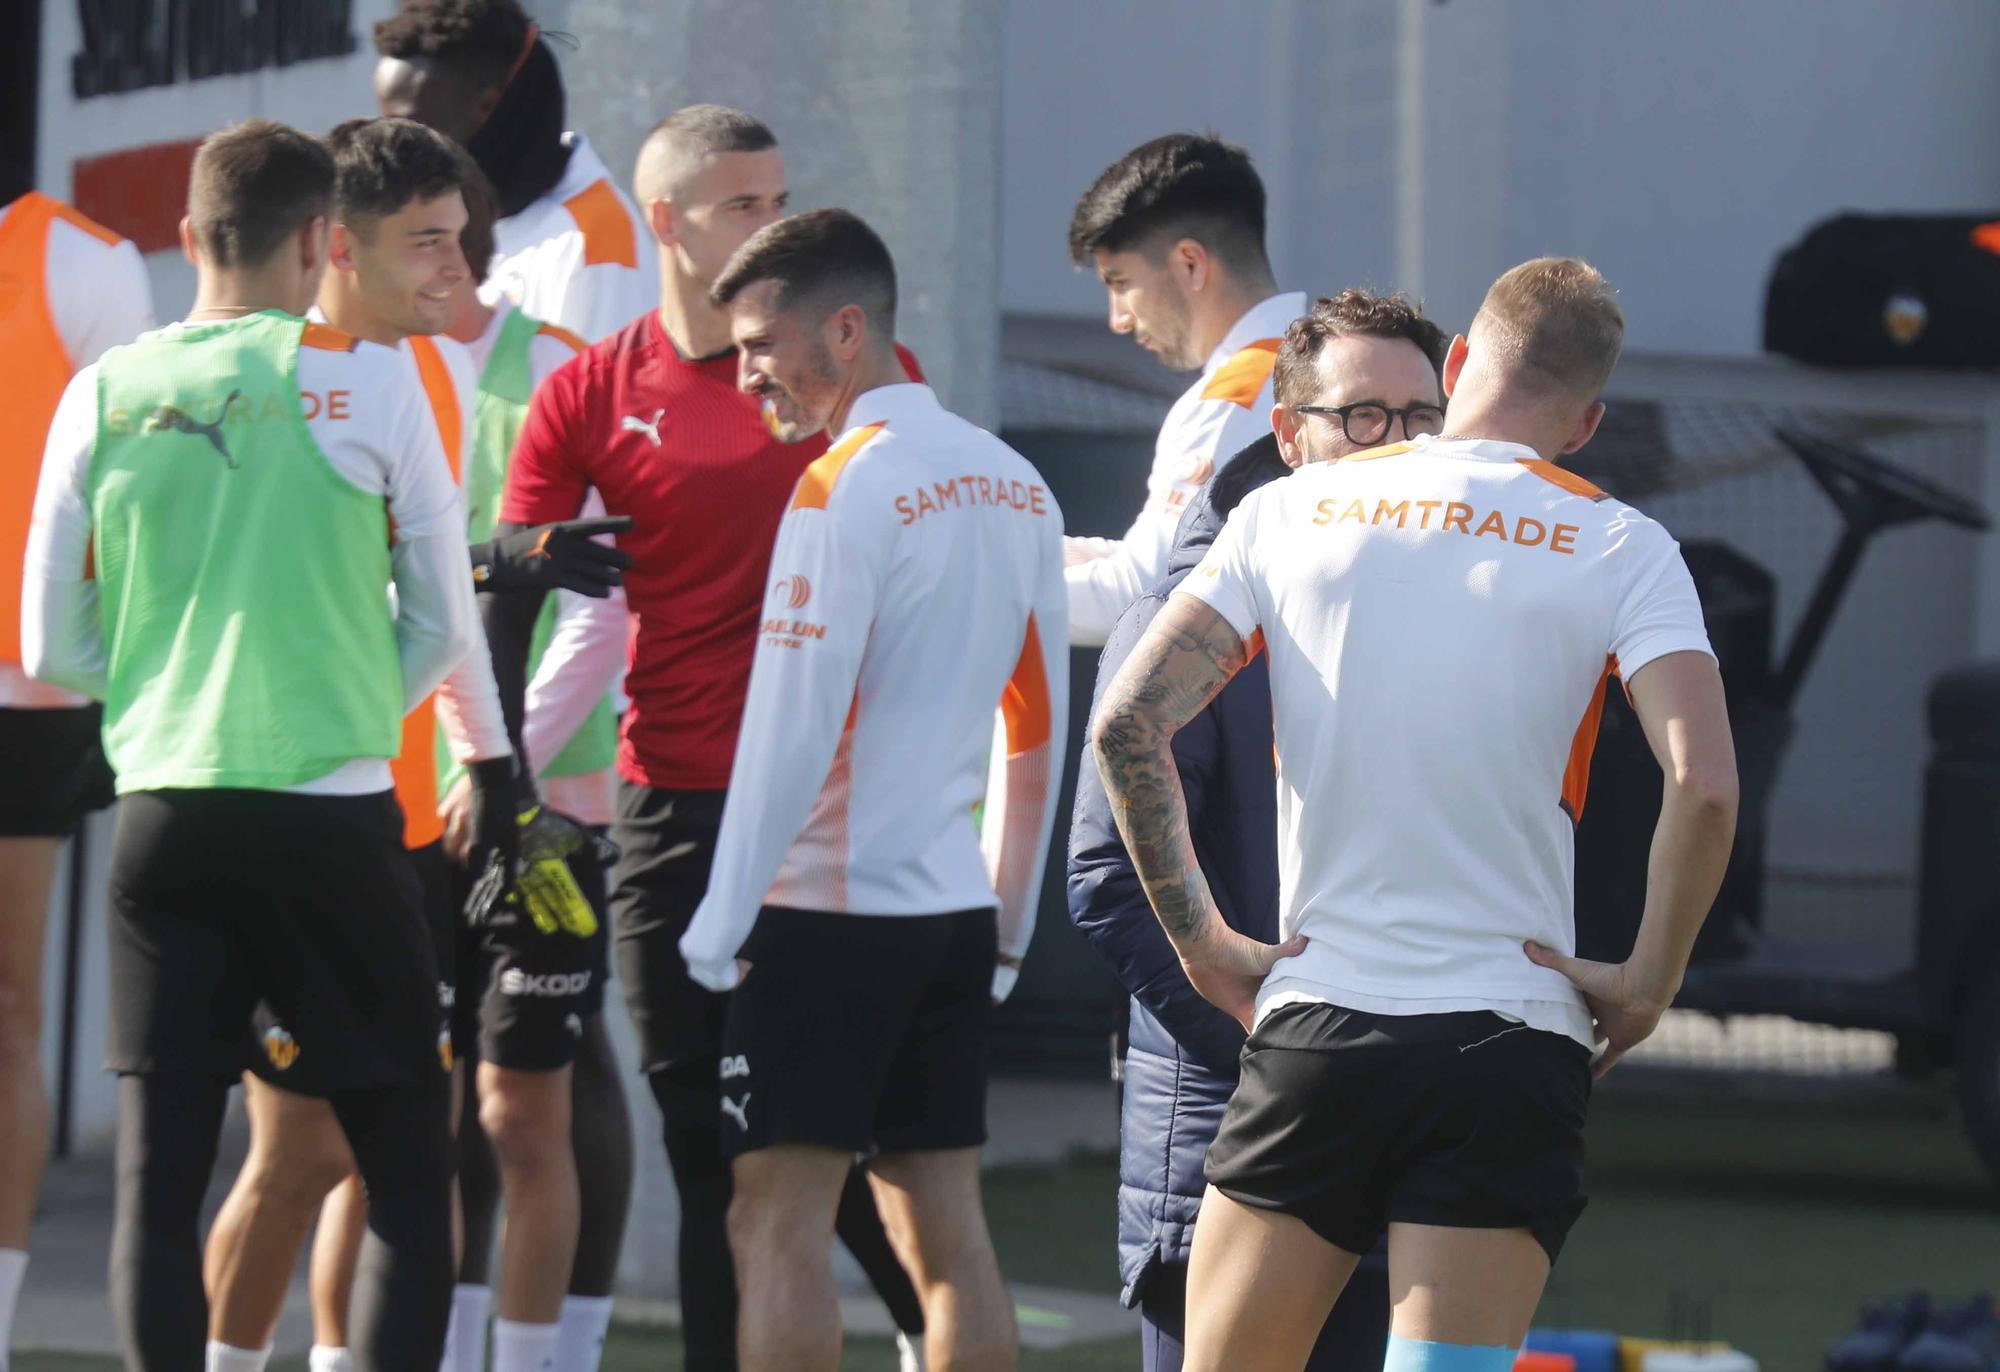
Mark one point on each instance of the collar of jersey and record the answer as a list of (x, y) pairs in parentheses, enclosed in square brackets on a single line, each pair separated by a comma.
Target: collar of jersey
[(886, 404), (1477, 449), (1268, 318), (585, 169)]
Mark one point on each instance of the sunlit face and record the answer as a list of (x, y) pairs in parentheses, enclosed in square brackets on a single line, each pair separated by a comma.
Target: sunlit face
[(784, 360), (1149, 302), (725, 199), (431, 94), (1360, 369), (406, 268)]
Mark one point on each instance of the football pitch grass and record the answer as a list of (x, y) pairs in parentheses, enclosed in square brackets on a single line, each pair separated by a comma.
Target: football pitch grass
[(1781, 1216)]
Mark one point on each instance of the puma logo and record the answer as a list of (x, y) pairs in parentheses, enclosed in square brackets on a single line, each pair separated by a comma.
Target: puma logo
[(738, 1111), (649, 427), (171, 417)]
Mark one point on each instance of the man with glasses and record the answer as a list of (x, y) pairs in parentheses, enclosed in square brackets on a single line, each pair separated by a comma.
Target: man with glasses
[(1363, 365), (1175, 231)]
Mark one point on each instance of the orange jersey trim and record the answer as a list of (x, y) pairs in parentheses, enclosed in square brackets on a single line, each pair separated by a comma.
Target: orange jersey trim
[(443, 397), (815, 488), (1024, 705), (558, 332), (1240, 378), (1576, 775), (1557, 476), (77, 219), (607, 229), (1386, 450), (414, 770), (327, 338)]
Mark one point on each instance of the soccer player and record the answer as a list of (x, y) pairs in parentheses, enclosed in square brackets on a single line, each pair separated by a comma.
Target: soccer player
[(917, 586), (221, 508), (1357, 369), (1175, 231), (74, 289), (395, 262), (571, 738), (1441, 616), (569, 248), (651, 419)]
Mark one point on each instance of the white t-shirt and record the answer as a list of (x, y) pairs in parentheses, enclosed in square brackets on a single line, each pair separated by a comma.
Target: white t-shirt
[(367, 413), (580, 256), (1226, 409), (916, 586), (98, 297), (1442, 617)]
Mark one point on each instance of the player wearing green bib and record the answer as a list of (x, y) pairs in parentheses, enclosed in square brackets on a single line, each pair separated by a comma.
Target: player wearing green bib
[(221, 508)]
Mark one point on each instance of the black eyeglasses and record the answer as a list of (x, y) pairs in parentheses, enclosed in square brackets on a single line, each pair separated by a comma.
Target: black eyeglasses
[(1369, 423)]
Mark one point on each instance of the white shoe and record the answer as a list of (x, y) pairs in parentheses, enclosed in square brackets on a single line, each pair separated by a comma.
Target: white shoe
[(908, 1359)]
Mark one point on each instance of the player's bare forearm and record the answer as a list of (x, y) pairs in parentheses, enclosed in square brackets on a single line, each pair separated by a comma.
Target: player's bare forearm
[(1187, 656)]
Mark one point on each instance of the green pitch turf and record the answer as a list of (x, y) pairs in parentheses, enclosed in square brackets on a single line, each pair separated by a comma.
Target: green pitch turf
[(1783, 1217)]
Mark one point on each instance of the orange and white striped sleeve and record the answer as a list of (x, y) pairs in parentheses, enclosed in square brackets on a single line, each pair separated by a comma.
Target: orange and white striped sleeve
[(1032, 733)]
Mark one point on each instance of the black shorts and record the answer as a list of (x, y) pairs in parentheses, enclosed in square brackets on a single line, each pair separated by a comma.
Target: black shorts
[(523, 995), (860, 1032), (222, 898), (56, 772), (275, 1054), (666, 845), (1349, 1121)]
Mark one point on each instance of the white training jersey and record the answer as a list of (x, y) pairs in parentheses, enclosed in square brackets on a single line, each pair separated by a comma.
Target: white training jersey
[(916, 585), (580, 256), (370, 418), (1224, 411), (1442, 617), (98, 297)]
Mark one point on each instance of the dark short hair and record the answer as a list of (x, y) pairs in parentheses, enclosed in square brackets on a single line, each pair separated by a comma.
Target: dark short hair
[(690, 133), (1295, 379), (481, 39), (384, 164), (1181, 186), (253, 186), (482, 211), (829, 256)]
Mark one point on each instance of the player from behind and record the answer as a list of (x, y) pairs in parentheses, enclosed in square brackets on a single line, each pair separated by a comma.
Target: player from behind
[(569, 248), (652, 422), (916, 586), (1442, 617), (75, 289), (1175, 231), (208, 490)]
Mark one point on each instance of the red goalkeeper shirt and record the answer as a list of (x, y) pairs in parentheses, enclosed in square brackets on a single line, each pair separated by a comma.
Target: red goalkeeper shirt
[(670, 442)]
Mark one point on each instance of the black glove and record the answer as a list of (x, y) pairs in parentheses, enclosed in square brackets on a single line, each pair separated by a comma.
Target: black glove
[(553, 557), (496, 798)]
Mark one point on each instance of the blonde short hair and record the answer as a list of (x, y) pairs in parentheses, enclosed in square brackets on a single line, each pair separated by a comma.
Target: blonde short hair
[(1553, 324)]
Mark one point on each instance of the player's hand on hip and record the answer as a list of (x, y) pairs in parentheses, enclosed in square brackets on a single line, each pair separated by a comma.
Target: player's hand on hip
[(1625, 1004), (1228, 967)]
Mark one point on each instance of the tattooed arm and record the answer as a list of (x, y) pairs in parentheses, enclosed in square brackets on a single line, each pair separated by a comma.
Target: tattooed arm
[(1186, 658)]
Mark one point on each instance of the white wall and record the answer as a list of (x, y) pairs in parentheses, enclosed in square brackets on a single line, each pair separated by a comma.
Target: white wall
[(313, 95), (1679, 145)]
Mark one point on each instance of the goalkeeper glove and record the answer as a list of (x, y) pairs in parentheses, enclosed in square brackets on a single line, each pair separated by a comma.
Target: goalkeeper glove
[(540, 883), (553, 557)]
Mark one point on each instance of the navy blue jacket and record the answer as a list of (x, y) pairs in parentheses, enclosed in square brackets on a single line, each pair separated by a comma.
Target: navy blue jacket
[(1181, 1062)]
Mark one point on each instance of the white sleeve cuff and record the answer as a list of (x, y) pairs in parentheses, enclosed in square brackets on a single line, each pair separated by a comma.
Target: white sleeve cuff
[(1004, 978)]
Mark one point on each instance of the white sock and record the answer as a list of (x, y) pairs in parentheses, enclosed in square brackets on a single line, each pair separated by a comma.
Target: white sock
[(909, 1355), (326, 1358), (580, 1344), (465, 1336), (223, 1358), (519, 1347), (13, 1266)]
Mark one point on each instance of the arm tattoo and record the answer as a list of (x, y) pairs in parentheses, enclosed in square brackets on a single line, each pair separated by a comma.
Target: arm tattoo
[(1186, 658)]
